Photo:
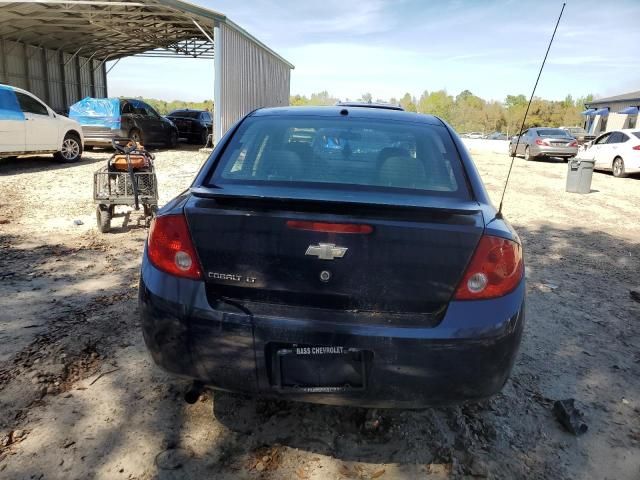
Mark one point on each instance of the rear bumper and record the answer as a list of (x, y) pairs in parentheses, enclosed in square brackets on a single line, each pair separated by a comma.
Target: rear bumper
[(101, 138), (542, 151), (468, 356)]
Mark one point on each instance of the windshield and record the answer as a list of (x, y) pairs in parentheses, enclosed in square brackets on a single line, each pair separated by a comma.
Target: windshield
[(551, 133), (184, 113), (361, 153), (637, 134)]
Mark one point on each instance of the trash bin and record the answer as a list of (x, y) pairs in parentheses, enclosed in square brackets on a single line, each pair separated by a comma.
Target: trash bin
[(579, 173)]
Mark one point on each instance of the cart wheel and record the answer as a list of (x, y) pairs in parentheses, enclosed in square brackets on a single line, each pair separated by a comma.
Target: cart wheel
[(103, 216), (150, 212)]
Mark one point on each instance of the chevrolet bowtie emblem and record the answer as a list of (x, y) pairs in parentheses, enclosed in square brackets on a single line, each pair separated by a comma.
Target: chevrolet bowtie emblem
[(326, 251)]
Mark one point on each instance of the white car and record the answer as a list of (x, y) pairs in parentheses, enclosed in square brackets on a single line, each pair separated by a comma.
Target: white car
[(475, 135), (618, 151), (28, 126)]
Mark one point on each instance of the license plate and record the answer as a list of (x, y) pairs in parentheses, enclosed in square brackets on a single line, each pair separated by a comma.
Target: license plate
[(320, 368)]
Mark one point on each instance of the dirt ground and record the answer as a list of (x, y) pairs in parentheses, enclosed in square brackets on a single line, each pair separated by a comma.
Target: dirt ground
[(80, 398)]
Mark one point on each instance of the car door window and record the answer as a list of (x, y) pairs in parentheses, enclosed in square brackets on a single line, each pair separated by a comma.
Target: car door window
[(127, 108), (137, 108), (149, 111), (603, 139), (615, 137), (28, 104)]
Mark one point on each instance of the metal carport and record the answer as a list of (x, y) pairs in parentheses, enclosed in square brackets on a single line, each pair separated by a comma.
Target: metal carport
[(59, 50)]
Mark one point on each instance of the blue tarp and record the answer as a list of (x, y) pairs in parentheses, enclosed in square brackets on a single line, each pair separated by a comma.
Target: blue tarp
[(102, 112), (630, 111), (602, 111), (588, 112), (9, 106)]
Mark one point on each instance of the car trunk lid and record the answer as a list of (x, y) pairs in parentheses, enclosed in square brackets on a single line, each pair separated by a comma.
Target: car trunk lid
[(259, 247)]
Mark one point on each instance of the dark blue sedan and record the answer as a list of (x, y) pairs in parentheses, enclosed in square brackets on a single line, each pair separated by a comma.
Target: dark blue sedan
[(373, 274)]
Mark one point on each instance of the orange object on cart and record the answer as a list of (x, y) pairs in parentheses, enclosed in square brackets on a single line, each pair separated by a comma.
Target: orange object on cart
[(138, 162), (139, 159)]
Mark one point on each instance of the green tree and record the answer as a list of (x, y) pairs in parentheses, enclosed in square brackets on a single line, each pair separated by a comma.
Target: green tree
[(468, 113), (408, 103), (515, 101), (437, 103)]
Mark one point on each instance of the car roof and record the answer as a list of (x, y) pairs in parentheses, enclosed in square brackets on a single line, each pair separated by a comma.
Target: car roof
[(16, 89), (623, 130), (187, 110), (357, 112)]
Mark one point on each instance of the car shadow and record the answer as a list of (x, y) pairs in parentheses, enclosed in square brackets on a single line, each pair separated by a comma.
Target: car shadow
[(40, 163)]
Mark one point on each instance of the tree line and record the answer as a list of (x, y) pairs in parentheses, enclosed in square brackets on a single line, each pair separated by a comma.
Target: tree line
[(467, 112)]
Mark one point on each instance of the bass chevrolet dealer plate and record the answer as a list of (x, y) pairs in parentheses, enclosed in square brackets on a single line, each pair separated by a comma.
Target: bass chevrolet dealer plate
[(320, 368)]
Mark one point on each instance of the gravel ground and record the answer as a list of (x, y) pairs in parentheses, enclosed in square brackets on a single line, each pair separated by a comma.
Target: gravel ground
[(80, 398)]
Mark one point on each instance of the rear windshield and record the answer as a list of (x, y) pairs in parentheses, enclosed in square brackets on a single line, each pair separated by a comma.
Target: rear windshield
[(637, 134), (186, 114), (343, 153), (551, 132)]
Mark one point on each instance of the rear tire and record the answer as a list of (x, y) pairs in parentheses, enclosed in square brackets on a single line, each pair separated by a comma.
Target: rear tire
[(527, 154), (71, 149), (173, 140), (103, 217), (204, 137), (617, 168), (150, 212)]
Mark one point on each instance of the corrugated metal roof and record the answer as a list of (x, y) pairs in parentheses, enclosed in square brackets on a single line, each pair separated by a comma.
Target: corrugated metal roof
[(111, 29), (625, 97)]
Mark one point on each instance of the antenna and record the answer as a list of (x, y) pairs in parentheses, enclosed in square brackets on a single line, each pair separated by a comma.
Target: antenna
[(524, 119)]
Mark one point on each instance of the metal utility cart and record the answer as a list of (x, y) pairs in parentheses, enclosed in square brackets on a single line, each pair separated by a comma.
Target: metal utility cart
[(129, 178)]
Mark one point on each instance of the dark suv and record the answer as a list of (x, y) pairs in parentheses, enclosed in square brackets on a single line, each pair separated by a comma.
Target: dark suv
[(105, 118), (194, 125), (342, 255)]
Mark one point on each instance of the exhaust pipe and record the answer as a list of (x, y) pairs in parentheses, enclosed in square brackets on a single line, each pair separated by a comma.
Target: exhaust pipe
[(192, 394)]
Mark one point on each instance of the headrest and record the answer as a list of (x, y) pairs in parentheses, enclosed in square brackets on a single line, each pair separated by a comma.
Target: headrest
[(284, 165), (403, 172)]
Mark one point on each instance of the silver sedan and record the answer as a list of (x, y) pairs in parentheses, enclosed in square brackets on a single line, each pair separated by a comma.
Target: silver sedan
[(542, 142)]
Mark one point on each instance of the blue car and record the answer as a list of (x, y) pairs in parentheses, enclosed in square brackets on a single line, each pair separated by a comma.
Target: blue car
[(377, 277)]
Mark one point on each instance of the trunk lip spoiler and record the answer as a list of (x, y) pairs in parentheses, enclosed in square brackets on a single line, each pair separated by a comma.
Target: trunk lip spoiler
[(454, 206)]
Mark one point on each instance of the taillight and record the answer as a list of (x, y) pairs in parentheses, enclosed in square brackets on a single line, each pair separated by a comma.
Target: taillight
[(542, 142), (496, 269), (170, 248), (329, 227), (637, 147), (573, 144)]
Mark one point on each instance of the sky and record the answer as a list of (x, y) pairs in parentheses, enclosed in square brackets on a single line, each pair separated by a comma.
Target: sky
[(389, 47)]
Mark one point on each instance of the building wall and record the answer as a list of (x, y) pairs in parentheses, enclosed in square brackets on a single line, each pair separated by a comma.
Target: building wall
[(44, 73), (246, 77)]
